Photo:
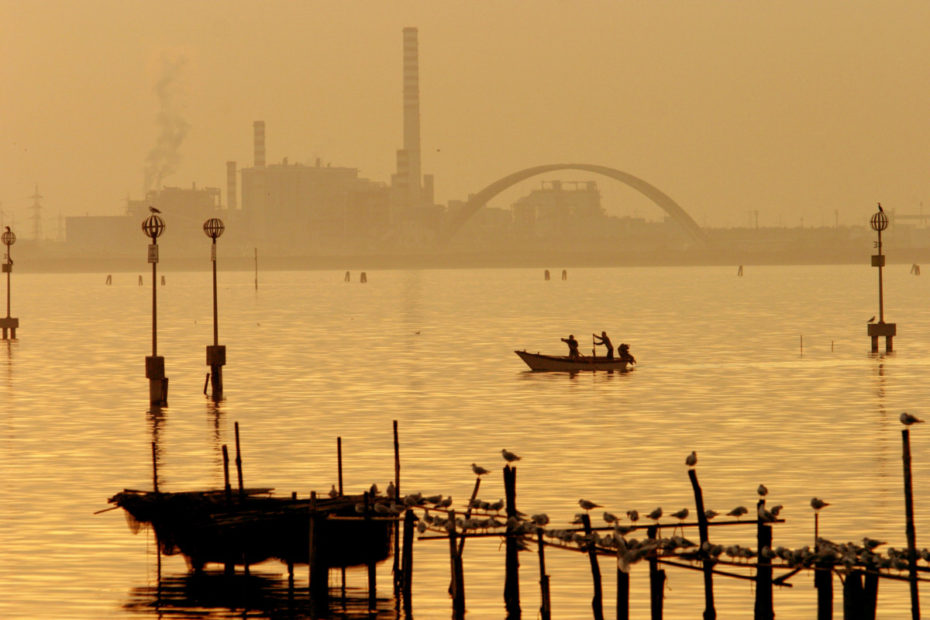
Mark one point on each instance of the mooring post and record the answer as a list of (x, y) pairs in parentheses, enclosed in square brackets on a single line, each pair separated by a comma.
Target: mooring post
[(623, 590), (370, 545), (512, 571), (239, 464), (870, 596), (458, 580), (545, 607), (319, 588), (407, 566), (342, 569), (911, 531), (854, 606), (395, 569), (710, 611), (597, 601), (656, 579), (153, 227), (474, 494), (226, 484), (8, 324), (764, 608), (823, 581)]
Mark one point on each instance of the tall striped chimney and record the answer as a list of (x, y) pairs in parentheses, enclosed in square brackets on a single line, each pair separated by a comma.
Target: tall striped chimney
[(259, 130), (412, 114), (232, 201)]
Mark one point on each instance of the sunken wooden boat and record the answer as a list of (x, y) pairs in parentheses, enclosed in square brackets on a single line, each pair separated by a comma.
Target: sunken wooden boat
[(252, 526), (564, 363)]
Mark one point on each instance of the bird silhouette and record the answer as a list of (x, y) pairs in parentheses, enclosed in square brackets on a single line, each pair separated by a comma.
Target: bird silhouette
[(478, 469), (633, 515), (333, 492), (681, 514), (710, 514), (908, 419), (880, 208), (656, 514), (153, 209), (738, 512), (817, 503), (872, 320), (587, 505), (762, 491), (509, 456), (691, 460)]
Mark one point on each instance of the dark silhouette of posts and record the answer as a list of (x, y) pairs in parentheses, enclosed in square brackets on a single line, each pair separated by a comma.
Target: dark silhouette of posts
[(153, 227), (911, 532), (879, 222), (710, 612), (545, 607), (656, 579), (597, 601), (9, 323), (407, 564), (216, 354), (512, 577), (764, 609), (458, 579)]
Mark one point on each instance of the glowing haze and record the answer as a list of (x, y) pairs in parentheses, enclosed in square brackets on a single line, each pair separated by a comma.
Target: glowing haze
[(796, 109)]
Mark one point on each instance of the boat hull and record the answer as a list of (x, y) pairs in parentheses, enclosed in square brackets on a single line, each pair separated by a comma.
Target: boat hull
[(562, 363)]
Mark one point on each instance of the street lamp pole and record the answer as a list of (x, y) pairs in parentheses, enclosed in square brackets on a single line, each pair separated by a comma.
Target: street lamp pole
[(216, 354), (153, 227), (879, 222)]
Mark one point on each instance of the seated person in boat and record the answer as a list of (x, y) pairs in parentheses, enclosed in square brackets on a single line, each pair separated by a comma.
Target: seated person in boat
[(572, 346), (605, 341), (625, 354)]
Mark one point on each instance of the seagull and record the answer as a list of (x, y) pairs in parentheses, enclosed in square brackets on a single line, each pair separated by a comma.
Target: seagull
[(872, 320), (587, 505), (776, 509), (880, 207), (373, 490), (391, 490), (509, 456), (908, 419), (153, 209), (633, 515), (691, 461), (817, 503), (478, 469), (656, 514), (738, 512), (333, 492), (765, 515), (710, 514), (610, 517), (762, 491), (681, 515)]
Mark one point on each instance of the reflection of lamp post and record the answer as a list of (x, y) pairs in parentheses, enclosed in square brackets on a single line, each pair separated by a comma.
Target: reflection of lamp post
[(153, 227), (216, 354), (879, 222), (8, 324)]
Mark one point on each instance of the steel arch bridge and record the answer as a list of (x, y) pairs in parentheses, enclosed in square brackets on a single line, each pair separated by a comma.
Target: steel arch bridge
[(656, 195)]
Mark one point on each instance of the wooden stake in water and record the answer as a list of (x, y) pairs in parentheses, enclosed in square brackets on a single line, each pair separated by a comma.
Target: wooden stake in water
[(239, 463), (911, 532), (710, 612), (597, 601)]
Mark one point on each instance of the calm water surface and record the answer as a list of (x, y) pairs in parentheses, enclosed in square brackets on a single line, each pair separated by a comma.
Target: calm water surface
[(311, 358)]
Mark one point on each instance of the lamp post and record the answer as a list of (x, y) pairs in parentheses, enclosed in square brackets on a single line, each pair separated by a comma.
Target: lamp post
[(8, 324), (153, 227), (216, 354), (879, 222)]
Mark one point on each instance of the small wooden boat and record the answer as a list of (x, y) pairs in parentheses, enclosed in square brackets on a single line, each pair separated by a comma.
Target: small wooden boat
[(563, 363)]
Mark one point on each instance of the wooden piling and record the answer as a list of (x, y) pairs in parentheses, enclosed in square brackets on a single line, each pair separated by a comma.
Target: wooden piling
[(474, 494), (764, 608), (370, 562), (154, 467), (319, 586), (407, 565), (911, 531), (597, 601), (870, 596), (853, 596), (226, 485), (623, 591), (239, 463), (512, 572), (823, 581), (458, 580), (395, 569), (339, 461), (710, 611), (545, 607), (656, 580)]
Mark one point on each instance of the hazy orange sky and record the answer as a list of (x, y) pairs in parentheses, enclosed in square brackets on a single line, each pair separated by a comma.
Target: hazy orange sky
[(799, 109)]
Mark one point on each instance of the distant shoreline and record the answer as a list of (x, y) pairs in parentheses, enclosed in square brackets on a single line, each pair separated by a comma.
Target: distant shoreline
[(548, 260)]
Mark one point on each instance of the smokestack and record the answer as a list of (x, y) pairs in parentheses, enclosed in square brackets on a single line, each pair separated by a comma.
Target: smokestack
[(412, 113), (231, 199), (259, 127)]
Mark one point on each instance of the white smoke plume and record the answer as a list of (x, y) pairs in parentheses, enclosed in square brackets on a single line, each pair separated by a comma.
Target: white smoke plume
[(164, 157)]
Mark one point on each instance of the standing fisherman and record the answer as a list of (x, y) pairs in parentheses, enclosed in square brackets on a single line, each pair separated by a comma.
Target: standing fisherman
[(572, 346), (605, 341)]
